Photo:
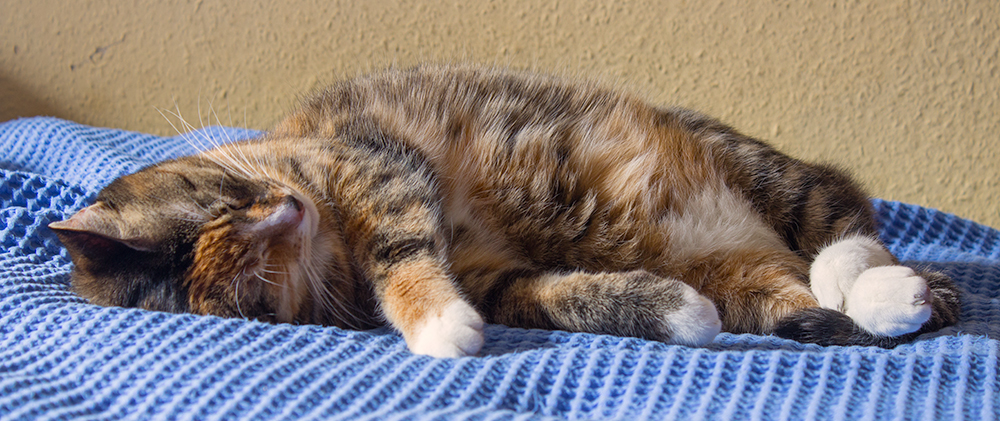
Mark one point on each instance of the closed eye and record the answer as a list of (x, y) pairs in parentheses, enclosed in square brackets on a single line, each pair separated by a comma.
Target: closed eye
[(226, 206), (239, 205)]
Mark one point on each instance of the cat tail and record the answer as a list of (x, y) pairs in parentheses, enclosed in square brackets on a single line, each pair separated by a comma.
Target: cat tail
[(827, 327)]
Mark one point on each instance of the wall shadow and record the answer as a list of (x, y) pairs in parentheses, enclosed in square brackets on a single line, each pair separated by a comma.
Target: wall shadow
[(16, 101)]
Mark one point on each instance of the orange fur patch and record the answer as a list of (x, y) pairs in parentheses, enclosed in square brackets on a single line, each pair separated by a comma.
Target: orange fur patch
[(414, 291)]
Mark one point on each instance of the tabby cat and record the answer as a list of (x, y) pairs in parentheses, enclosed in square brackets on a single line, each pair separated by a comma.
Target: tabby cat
[(435, 198)]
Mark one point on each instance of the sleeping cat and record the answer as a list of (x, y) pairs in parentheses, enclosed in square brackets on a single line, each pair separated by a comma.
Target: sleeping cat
[(435, 198)]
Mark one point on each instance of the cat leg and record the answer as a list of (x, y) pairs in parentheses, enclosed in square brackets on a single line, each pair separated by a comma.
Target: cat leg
[(860, 278), (867, 298), (389, 207), (754, 289), (636, 303), (765, 292), (837, 267), (419, 299)]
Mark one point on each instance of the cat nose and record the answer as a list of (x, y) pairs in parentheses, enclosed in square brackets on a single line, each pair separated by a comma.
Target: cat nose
[(293, 202), (287, 214)]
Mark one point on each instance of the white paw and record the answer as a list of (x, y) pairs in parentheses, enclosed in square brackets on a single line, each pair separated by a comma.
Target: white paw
[(889, 301), (837, 267), (456, 332), (696, 323)]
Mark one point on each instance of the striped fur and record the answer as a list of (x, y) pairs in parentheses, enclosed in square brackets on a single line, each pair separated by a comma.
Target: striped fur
[(429, 197)]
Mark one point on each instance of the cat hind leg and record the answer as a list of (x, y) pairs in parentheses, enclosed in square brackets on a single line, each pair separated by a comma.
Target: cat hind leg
[(635, 303), (866, 298), (889, 301)]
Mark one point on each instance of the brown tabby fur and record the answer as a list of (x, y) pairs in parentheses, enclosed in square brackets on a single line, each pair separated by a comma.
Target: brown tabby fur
[(543, 202)]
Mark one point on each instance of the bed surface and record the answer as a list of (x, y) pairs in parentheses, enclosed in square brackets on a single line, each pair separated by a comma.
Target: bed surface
[(63, 358)]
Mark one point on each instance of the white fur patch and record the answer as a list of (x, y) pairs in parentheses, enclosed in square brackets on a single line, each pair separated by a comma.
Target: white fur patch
[(696, 323), (716, 220), (456, 332), (837, 267), (890, 301), (857, 276)]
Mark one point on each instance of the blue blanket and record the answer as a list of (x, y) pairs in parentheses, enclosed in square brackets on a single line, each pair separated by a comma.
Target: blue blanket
[(63, 358)]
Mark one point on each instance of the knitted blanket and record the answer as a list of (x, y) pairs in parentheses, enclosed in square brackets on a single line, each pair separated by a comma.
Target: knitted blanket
[(63, 358)]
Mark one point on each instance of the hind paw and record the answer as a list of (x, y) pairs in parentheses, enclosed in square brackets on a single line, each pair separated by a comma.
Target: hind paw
[(838, 266), (889, 301), (696, 323)]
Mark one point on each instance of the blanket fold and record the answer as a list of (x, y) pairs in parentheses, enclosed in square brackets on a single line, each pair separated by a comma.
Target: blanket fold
[(61, 357)]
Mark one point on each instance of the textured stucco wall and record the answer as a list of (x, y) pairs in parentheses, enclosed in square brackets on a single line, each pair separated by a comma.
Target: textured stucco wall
[(903, 93)]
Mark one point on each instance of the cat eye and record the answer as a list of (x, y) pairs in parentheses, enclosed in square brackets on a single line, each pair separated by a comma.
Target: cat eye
[(221, 207), (235, 206)]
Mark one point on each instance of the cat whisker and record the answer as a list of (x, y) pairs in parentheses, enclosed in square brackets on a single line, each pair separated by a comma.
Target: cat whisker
[(242, 164), (236, 293), (322, 295), (214, 113), (191, 135), (257, 165), (211, 112), (329, 298), (203, 142), (229, 138), (262, 278), (201, 120), (184, 134)]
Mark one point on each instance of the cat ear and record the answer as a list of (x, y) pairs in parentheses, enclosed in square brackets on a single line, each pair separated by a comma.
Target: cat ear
[(94, 229)]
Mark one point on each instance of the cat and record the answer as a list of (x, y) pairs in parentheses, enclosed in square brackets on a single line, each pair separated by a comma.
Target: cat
[(439, 197)]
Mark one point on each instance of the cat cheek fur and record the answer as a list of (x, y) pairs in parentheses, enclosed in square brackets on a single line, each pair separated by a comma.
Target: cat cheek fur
[(259, 252)]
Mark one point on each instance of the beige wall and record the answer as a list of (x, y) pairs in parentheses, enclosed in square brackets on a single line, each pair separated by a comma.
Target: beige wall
[(903, 93)]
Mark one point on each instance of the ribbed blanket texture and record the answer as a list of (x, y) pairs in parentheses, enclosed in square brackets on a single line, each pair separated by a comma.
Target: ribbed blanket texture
[(62, 358)]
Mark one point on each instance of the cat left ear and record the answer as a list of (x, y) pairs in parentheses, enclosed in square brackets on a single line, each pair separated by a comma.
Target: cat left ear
[(96, 224)]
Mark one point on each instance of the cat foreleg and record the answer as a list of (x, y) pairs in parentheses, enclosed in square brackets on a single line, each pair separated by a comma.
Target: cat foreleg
[(419, 299), (454, 331)]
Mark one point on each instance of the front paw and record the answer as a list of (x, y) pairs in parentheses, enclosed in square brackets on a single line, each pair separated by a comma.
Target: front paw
[(457, 331), (890, 301)]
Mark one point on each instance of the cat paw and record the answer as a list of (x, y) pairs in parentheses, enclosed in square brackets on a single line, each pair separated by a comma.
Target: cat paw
[(837, 267), (889, 301), (456, 332), (696, 323)]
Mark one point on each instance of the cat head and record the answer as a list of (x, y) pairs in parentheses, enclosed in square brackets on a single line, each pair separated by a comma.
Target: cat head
[(189, 235)]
